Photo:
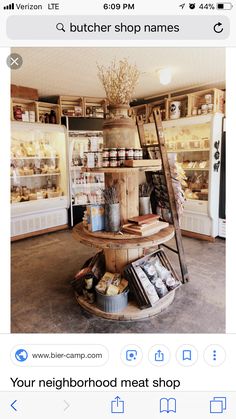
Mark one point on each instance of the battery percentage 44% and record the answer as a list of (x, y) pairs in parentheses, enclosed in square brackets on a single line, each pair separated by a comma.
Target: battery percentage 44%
[(207, 6)]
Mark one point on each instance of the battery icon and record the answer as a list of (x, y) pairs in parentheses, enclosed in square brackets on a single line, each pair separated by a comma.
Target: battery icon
[(224, 6)]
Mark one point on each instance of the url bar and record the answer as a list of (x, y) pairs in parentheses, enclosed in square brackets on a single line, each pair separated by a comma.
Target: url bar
[(59, 355), (118, 27)]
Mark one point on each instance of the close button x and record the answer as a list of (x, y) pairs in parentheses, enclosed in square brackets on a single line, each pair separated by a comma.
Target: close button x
[(14, 61)]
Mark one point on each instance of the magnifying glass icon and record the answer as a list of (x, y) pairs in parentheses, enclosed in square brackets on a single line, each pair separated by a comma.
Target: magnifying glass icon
[(60, 27)]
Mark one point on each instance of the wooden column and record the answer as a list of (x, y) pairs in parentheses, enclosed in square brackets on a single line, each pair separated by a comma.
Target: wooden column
[(127, 184)]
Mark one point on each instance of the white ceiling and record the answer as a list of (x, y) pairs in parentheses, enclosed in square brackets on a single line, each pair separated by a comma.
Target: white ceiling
[(73, 71)]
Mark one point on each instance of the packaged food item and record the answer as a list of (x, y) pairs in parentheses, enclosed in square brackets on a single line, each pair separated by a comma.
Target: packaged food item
[(160, 287), (31, 116), (208, 98), (129, 154), (147, 285), (96, 217), (25, 116), (17, 111), (123, 285), (162, 272), (113, 153), (156, 276), (112, 290), (171, 283)]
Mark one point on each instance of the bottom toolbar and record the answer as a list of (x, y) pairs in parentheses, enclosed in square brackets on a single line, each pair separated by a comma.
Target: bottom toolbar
[(130, 405)]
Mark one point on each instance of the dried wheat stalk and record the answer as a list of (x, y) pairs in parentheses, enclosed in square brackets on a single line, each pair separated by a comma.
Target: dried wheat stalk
[(119, 80)]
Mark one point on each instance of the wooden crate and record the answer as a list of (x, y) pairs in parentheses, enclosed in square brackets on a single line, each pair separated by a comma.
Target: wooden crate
[(184, 99), (95, 107), (162, 106), (141, 111), (71, 104), (25, 105), (23, 92), (44, 107), (197, 99), (144, 163)]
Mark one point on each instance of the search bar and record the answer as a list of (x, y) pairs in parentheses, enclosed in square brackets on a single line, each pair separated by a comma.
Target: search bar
[(118, 27)]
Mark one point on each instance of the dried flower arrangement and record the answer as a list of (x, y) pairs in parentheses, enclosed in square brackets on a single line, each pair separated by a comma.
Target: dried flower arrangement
[(145, 190), (119, 80), (111, 195)]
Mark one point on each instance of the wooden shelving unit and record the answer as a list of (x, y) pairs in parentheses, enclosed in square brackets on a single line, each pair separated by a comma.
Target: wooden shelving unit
[(81, 106), (189, 100), (122, 249), (39, 109)]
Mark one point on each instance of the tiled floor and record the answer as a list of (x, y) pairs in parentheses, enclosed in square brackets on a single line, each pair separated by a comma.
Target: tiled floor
[(43, 301)]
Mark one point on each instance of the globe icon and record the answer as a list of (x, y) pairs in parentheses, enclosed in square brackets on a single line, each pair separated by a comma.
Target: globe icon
[(21, 355)]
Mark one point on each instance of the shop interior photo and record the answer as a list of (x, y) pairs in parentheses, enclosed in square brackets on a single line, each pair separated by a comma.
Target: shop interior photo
[(118, 190)]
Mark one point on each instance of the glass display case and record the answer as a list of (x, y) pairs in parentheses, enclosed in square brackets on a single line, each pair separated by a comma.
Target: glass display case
[(38, 175), (85, 187), (197, 144), (191, 143)]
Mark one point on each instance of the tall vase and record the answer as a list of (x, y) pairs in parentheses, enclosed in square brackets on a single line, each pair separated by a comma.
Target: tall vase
[(144, 205), (112, 217)]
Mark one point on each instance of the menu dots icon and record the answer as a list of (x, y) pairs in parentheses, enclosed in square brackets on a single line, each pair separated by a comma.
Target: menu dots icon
[(214, 355)]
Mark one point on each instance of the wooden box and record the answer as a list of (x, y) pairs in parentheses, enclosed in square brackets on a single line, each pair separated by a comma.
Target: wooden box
[(184, 105), (144, 163), (25, 106), (24, 92), (141, 286), (197, 99), (71, 105), (44, 107)]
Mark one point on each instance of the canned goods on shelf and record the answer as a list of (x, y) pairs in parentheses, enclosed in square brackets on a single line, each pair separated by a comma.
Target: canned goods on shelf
[(105, 162), (113, 163), (129, 154), (113, 153), (105, 153), (121, 153)]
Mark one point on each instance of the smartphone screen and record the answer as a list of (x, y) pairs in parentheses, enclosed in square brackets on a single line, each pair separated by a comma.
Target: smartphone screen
[(116, 291)]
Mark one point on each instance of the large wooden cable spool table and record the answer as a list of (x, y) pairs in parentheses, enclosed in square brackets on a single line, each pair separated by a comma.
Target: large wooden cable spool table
[(122, 249)]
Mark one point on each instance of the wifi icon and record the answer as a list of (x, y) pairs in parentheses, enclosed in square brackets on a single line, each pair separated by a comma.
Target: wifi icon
[(10, 6)]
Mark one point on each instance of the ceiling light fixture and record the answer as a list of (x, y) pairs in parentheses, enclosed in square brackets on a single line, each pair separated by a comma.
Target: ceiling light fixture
[(165, 75)]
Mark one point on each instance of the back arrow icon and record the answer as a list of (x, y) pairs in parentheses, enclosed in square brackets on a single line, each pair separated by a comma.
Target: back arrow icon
[(218, 27), (12, 405), (67, 405)]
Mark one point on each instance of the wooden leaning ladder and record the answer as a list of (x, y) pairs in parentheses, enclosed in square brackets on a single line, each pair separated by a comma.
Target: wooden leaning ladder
[(169, 187)]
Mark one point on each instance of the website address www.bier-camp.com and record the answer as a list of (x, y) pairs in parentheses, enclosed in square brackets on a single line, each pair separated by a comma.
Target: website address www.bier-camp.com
[(68, 355)]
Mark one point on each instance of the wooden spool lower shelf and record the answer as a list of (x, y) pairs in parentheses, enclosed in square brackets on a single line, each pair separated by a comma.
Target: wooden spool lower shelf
[(122, 251), (131, 313)]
